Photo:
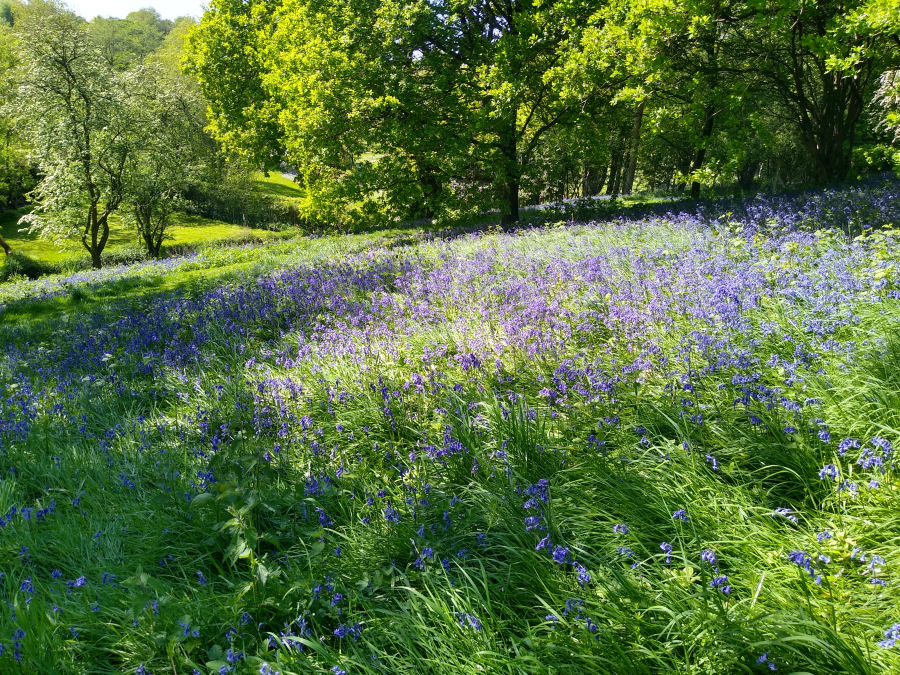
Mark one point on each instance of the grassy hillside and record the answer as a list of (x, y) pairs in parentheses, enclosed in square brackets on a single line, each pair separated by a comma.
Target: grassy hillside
[(187, 230), (643, 446), (279, 186)]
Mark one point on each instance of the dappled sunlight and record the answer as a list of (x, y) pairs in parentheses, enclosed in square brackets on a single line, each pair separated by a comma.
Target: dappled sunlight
[(509, 442)]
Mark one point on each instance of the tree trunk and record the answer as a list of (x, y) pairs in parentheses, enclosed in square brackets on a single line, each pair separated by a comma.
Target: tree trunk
[(98, 228), (628, 181), (612, 187), (828, 107), (708, 121), (830, 150), (4, 246), (431, 189), (512, 172), (746, 174), (511, 211), (593, 180)]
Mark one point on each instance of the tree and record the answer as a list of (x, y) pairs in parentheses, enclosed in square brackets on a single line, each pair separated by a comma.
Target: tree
[(674, 64), (882, 18), (385, 103), (126, 42), (6, 13), (822, 60), (6, 61), (168, 149), (71, 109), (224, 53), (16, 175)]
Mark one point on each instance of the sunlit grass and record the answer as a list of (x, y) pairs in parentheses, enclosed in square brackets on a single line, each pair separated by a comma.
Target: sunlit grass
[(186, 230), (614, 448), (275, 184)]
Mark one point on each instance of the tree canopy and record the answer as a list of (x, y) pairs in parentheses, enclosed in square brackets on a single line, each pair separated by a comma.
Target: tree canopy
[(401, 109)]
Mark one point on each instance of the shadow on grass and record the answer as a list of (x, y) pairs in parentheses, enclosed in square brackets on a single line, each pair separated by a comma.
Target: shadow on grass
[(278, 189), (38, 317)]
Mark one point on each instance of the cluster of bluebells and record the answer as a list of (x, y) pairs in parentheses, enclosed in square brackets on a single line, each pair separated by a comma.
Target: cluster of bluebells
[(871, 565), (812, 566), (517, 320), (891, 637), (538, 499), (719, 581), (467, 620)]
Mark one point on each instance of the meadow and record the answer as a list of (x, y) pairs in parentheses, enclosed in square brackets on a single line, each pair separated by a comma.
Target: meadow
[(36, 256), (659, 444)]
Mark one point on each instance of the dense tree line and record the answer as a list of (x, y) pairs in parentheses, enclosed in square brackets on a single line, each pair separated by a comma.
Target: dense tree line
[(405, 109), (401, 110)]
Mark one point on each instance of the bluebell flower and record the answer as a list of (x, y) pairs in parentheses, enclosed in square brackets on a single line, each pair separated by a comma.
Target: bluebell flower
[(560, 554), (786, 513), (584, 576), (891, 637), (468, 620), (828, 471), (846, 444), (666, 548), (765, 660), (721, 582), (533, 523)]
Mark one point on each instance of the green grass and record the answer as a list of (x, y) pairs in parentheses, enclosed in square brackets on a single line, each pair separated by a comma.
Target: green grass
[(30, 244), (186, 231), (213, 265), (269, 445), (277, 185)]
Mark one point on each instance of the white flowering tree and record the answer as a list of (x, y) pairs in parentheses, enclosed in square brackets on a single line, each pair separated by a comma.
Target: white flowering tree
[(70, 107)]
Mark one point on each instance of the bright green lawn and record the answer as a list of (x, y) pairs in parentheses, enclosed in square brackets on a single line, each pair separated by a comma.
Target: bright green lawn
[(277, 185), (186, 230)]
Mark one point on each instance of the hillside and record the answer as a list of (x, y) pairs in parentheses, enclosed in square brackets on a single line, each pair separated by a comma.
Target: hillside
[(660, 444), (36, 256)]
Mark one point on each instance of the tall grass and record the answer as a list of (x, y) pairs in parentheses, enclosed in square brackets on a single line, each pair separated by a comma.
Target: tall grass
[(643, 447)]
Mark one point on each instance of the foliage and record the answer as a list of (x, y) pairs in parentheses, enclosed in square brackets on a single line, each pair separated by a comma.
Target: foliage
[(16, 175), (71, 109), (112, 123), (425, 111), (125, 43), (169, 152), (401, 110), (888, 100)]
